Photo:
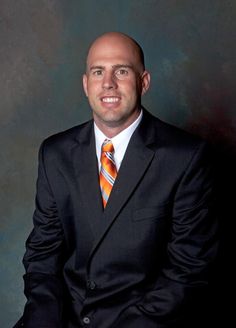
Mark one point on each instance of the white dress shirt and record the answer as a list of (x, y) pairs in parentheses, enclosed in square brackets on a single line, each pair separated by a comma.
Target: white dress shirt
[(120, 141)]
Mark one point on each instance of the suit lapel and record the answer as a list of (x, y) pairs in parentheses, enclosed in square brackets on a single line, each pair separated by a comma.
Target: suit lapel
[(86, 168), (136, 162)]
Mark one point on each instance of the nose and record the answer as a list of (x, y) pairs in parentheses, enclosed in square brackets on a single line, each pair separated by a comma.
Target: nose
[(109, 81)]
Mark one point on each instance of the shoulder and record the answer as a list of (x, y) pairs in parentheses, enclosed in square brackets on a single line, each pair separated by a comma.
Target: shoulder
[(69, 137), (176, 145), (167, 135)]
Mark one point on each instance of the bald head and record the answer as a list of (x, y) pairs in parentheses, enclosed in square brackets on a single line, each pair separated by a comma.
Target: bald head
[(113, 40), (114, 82)]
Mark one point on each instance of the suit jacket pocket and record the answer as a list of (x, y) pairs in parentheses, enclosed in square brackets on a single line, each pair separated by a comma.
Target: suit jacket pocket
[(147, 213)]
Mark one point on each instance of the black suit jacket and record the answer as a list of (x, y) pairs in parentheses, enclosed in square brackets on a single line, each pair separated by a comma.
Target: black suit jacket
[(141, 262)]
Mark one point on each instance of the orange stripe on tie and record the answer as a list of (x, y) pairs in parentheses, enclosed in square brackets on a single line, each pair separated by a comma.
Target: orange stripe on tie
[(108, 170)]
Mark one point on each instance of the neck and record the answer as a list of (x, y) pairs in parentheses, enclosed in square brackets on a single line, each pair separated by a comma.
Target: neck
[(111, 132), (111, 129)]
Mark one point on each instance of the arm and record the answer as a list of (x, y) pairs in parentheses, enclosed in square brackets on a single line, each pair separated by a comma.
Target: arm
[(43, 259), (192, 249)]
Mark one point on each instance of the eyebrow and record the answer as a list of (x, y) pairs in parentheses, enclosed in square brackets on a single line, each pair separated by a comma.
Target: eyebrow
[(113, 66)]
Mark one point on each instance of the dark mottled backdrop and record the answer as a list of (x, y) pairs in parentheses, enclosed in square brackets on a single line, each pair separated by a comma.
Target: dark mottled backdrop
[(190, 49)]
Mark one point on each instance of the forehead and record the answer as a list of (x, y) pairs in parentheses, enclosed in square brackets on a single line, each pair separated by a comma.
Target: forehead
[(113, 51)]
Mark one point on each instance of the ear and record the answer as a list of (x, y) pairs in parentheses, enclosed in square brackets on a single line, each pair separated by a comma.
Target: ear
[(145, 81), (85, 84)]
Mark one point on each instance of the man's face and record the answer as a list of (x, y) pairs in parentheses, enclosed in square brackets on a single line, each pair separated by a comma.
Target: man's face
[(114, 81)]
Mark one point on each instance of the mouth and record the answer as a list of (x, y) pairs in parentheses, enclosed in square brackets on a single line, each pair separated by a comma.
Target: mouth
[(110, 99)]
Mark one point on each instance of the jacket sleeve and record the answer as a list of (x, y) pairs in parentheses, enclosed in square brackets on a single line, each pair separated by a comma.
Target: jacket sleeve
[(43, 259), (179, 291)]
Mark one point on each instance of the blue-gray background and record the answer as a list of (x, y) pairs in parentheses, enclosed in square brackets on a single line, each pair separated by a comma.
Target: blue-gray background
[(190, 50)]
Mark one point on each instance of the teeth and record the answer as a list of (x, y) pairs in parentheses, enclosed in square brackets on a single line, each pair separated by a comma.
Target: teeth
[(110, 99)]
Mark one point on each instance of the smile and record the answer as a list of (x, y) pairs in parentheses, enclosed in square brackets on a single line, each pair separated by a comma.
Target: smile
[(110, 99)]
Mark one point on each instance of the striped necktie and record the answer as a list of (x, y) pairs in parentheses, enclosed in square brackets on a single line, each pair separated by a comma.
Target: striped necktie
[(108, 170)]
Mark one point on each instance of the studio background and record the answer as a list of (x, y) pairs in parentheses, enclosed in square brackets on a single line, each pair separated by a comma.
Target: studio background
[(190, 49)]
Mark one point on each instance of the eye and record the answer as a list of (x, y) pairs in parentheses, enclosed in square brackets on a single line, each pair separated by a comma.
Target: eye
[(97, 72), (122, 72)]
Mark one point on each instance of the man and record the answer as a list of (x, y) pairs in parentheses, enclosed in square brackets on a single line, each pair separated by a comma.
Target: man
[(124, 228)]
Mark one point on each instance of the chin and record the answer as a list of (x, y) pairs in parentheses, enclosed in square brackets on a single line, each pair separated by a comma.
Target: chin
[(110, 116)]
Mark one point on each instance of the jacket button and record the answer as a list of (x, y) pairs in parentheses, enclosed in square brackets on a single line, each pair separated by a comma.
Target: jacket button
[(91, 284), (86, 320)]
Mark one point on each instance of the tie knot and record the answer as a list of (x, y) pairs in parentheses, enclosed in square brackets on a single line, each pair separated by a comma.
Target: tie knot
[(107, 146)]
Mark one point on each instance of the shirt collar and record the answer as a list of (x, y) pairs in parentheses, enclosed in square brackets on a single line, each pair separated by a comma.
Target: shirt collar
[(120, 141)]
